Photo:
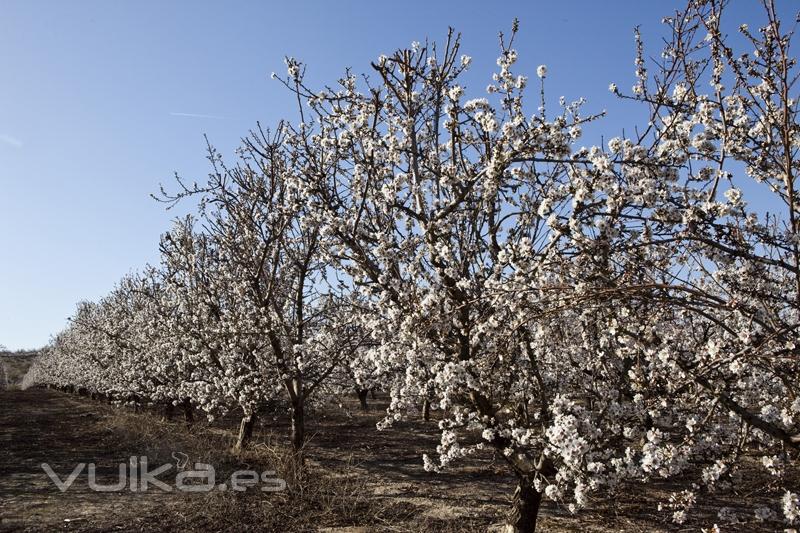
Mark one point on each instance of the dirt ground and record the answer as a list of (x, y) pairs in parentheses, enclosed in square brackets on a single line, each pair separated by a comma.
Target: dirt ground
[(358, 480)]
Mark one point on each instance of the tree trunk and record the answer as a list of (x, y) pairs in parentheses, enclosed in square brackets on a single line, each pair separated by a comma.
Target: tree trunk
[(188, 412), (524, 508), (426, 410), (137, 403), (362, 398), (372, 393), (298, 424), (245, 432), (169, 409)]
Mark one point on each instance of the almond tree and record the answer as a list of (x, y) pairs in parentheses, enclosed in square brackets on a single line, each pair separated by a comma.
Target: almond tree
[(727, 115), (463, 221), (268, 252)]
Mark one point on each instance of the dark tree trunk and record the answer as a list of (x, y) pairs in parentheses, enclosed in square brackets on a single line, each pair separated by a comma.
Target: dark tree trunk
[(524, 508), (298, 425), (245, 432), (426, 410), (169, 410), (372, 393), (362, 398), (188, 411), (137, 403)]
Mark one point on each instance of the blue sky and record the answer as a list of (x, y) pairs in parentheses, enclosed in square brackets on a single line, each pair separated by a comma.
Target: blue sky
[(97, 102)]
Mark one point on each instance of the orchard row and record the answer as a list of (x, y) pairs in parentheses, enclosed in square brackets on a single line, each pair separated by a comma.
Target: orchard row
[(594, 315)]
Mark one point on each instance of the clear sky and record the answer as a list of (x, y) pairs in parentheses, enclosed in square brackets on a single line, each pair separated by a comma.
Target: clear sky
[(102, 101)]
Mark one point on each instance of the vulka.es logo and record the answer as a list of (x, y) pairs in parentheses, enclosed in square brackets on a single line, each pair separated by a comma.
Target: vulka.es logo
[(136, 477)]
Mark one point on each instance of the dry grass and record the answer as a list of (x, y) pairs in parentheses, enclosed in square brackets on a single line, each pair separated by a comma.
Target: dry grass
[(354, 480), (341, 491), (314, 497)]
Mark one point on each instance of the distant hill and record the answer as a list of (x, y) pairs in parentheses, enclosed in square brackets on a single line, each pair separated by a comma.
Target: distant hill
[(14, 365)]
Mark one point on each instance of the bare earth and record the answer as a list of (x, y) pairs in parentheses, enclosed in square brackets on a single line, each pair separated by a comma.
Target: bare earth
[(374, 481)]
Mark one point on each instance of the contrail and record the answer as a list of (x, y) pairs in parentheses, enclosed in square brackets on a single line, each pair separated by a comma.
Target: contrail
[(195, 115), (13, 141)]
